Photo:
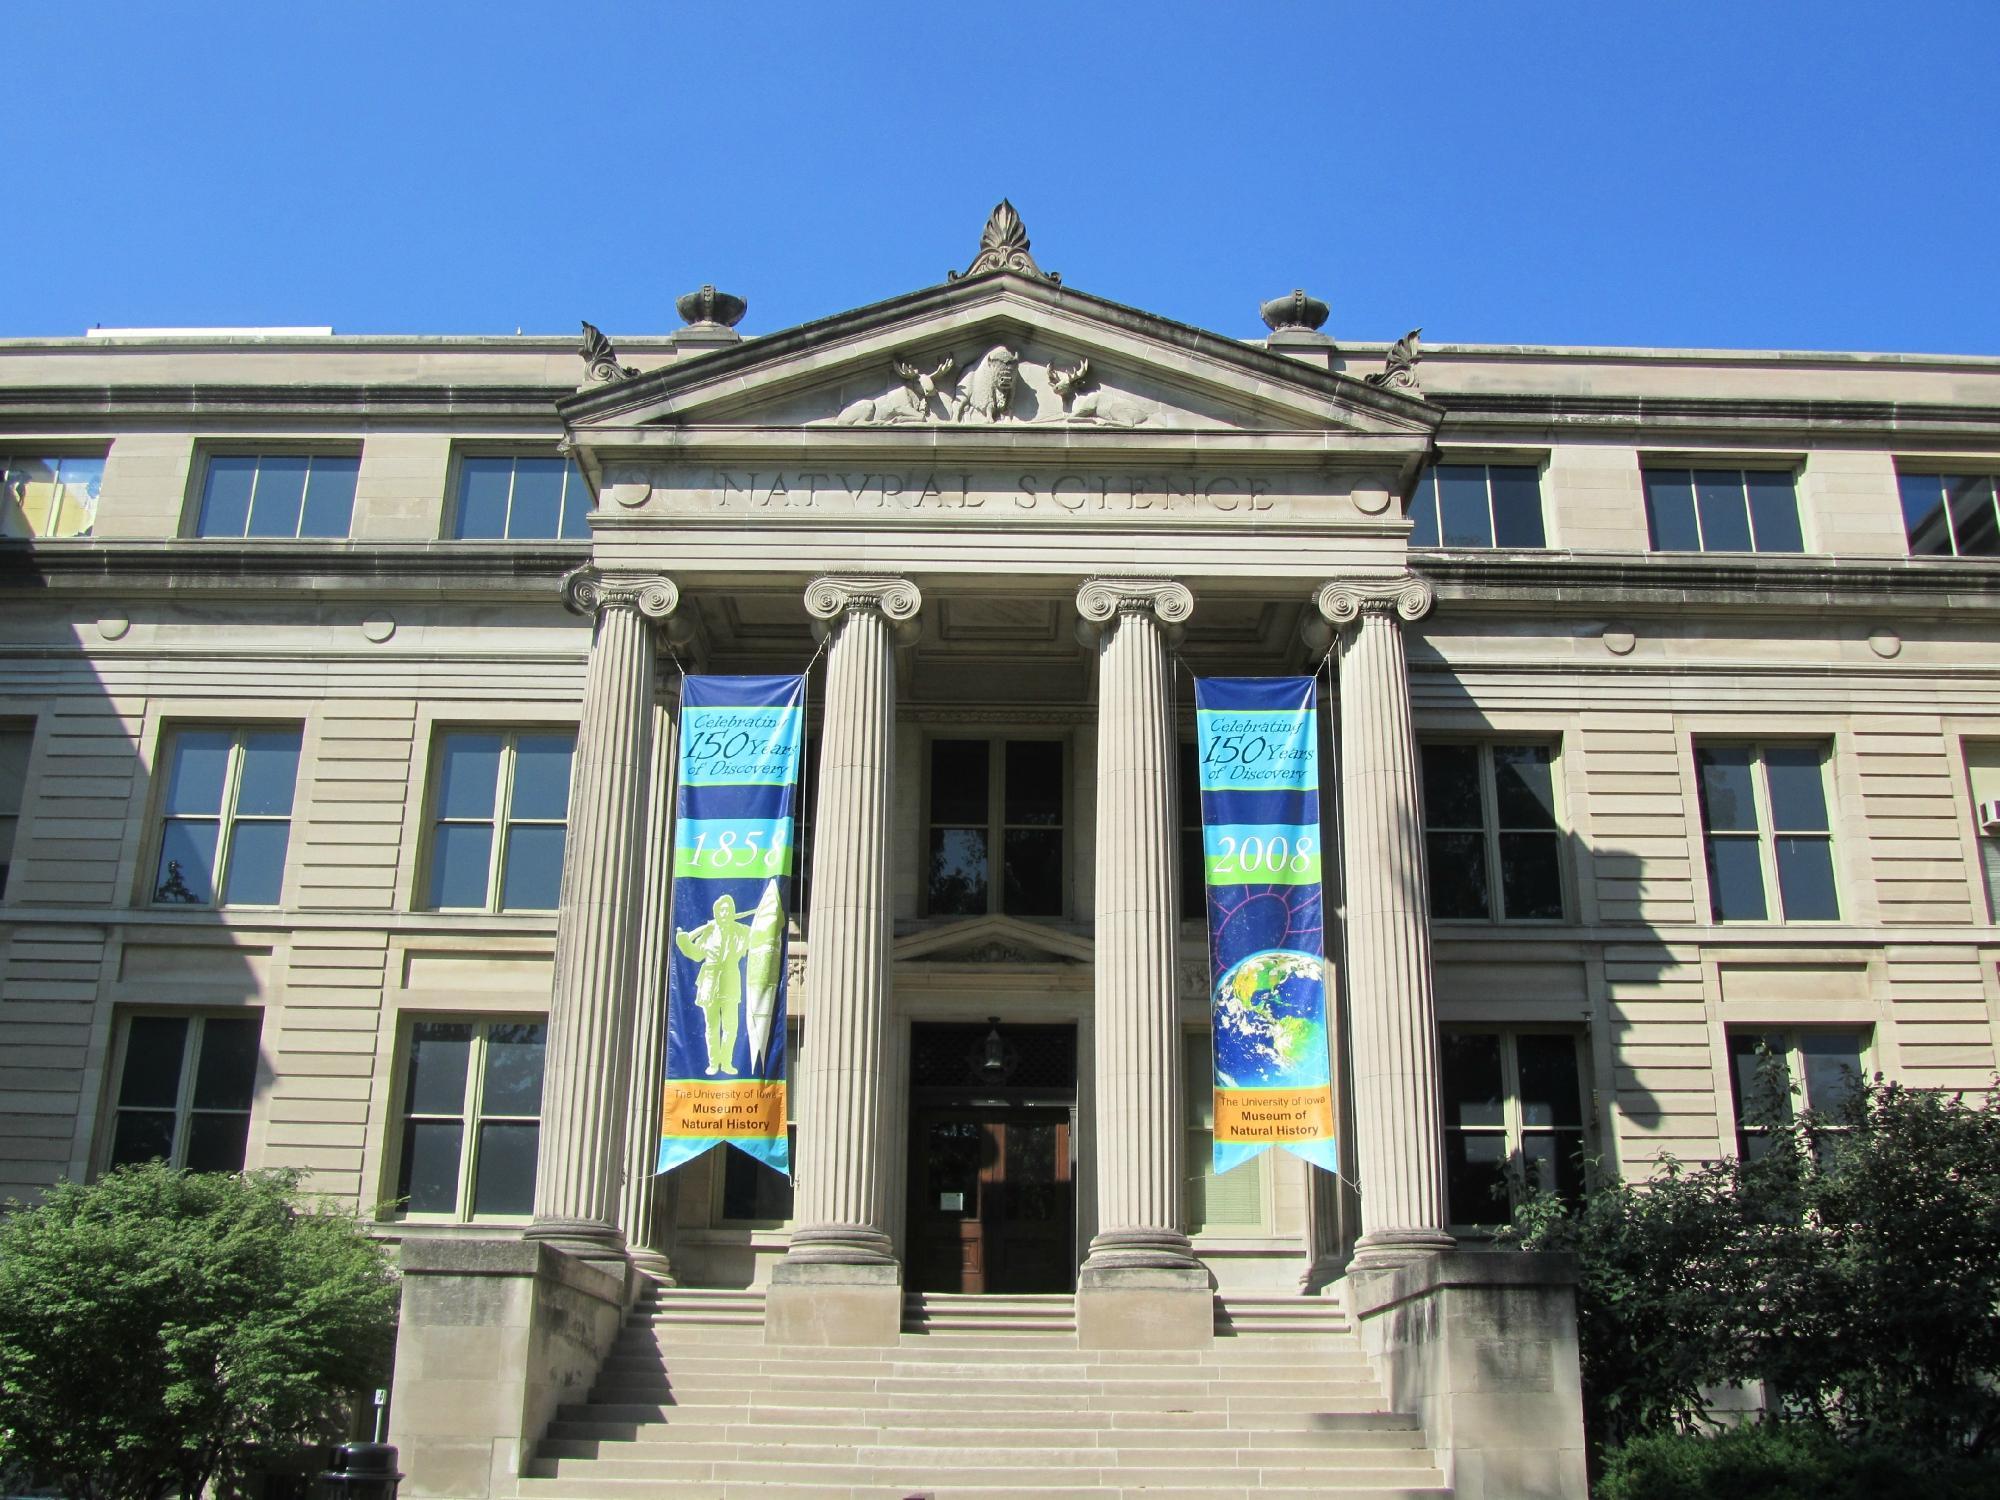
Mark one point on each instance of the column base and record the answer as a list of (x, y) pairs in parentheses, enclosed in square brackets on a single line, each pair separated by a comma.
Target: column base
[(1386, 1249), (834, 1303), (652, 1265), (1144, 1307), (599, 1243), (1161, 1249)]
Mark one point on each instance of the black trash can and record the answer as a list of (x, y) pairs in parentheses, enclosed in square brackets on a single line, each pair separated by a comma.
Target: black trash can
[(361, 1471)]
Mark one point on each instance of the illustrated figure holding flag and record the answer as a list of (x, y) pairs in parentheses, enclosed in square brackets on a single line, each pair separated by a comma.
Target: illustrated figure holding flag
[(719, 947)]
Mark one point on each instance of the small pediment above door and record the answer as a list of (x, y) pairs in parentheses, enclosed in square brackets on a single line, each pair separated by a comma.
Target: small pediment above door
[(993, 941)]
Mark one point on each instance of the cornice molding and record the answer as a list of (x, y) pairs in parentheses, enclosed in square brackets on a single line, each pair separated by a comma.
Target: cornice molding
[(164, 569), (1568, 583), (243, 402), (1684, 413)]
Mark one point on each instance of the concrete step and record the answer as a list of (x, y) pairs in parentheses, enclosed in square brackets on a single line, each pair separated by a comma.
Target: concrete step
[(971, 1471), (573, 1456), (1000, 1316), (573, 1489), (653, 1440), (1197, 1382)]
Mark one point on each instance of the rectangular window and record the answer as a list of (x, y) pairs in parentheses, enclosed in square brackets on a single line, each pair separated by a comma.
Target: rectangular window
[(1769, 1069), (49, 497), (520, 498), (471, 1119), (1767, 831), (277, 495), (1982, 764), (1950, 515), (185, 1085), (1478, 505), (1491, 839), (1722, 510), (1513, 1119), (1004, 795), (499, 819), (16, 743), (753, 1193), (226, 816), (1234, 1202)]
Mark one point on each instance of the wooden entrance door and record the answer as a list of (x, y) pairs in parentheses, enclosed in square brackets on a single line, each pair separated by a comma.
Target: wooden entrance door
[(992, 1200)]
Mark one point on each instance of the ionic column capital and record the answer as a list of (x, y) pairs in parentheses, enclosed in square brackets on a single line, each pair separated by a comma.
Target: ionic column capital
[(587, 591), (1345, 600), (897, 600), (1102, 601)]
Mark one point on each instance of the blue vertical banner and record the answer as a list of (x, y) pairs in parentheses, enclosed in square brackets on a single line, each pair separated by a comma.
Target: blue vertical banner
[(1257, 743), (733, 858)]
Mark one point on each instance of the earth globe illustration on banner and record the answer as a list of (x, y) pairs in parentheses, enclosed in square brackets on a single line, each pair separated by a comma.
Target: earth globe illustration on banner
[(1269, 1026)]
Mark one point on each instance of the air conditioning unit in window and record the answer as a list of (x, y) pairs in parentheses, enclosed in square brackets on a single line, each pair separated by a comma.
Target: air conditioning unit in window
[(1989, 817)]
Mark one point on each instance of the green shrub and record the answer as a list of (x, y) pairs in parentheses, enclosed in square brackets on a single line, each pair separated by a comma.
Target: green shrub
[(1853, 1270), (1784, 1461), (158, 1327)]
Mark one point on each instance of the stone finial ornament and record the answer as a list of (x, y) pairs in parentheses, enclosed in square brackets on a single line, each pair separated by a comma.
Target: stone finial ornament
[(1296, 310), (1003, 246), (1399, 370), (708, 306), (600, 358)]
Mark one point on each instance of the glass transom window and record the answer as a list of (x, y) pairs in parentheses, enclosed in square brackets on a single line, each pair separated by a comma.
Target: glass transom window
[(993, 798), (1478, 505), (1722, 510), (519, 498), (278, 495)]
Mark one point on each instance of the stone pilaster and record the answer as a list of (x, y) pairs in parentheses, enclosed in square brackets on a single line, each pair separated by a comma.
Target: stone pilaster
[(645, 1237), (839, 1283), (591, 1008), (1393, 1012), (1141, 1285)]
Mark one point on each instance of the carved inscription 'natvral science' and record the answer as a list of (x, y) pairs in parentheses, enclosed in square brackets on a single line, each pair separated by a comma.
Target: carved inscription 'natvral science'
[(981, 494)]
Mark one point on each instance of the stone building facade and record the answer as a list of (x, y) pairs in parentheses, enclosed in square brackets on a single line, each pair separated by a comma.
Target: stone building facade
[(337, 736)]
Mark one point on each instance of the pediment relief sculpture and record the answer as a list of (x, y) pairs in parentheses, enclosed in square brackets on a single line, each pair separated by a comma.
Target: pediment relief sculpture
[(999, 387)]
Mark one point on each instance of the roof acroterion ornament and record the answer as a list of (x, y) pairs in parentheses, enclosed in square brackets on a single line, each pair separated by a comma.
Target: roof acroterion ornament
[(1003, 246), (712, 307), (1294, 310), (600, 358), (1399, 370)]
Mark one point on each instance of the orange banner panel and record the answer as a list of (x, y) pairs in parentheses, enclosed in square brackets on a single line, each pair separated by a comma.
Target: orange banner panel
[(740, 1107), (1275, 1115)]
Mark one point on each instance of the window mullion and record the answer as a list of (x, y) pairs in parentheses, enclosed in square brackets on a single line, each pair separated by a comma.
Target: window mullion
[(513, 477), (225, 830), (475, 1104), (1767, 836), (996, 825), (184, 1095), (503, 805), (1492, 521), (1489, 819), (1749, 510)]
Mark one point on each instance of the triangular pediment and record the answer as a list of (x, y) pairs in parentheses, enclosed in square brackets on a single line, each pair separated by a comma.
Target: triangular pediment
[(997, 941), (996, 357)]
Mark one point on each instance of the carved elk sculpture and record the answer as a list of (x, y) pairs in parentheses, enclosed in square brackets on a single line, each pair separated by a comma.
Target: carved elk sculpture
[(910, 402)]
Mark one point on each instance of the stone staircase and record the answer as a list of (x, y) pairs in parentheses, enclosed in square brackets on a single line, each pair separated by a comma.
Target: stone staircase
[(993, 1402)]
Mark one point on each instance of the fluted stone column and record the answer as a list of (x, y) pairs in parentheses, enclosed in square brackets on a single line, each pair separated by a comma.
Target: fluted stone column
[(839, 1283), (645, 1237), (587, 1076), (1141, 1286), (1393, 1012)]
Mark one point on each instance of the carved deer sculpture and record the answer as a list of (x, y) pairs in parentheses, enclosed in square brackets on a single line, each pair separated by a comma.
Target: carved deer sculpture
[(911, 402)]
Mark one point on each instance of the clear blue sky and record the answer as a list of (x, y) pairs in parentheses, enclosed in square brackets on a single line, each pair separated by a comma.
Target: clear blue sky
[(1809, 175)]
